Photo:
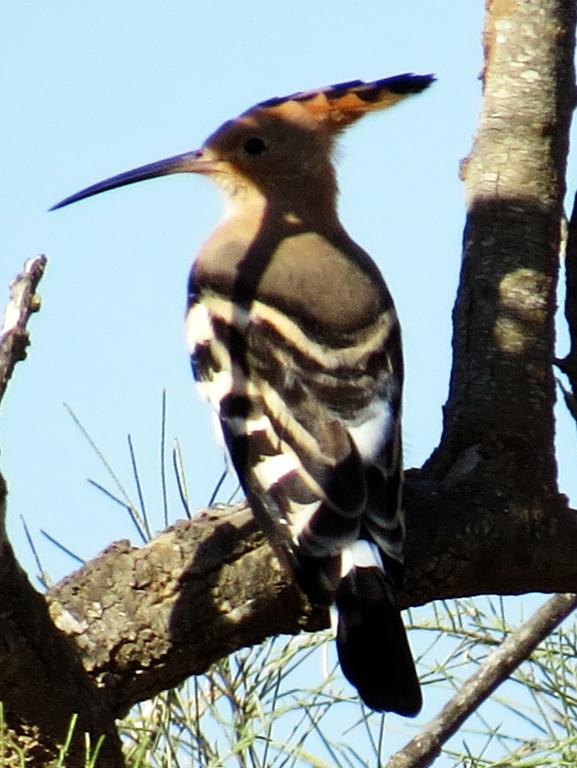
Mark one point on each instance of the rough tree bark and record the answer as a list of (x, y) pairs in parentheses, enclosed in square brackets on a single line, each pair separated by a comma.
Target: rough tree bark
[(484, 513), (42, 683)]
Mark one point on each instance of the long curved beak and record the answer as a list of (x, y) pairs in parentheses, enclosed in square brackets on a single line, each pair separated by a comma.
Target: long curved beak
[(189, 162)]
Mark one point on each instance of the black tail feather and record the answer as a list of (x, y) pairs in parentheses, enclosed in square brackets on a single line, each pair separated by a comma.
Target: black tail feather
[(372, 644)]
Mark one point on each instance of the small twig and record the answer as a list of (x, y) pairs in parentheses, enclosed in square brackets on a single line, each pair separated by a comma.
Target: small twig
[(426, 746), (23, 303), (570, 400), (569, 363)]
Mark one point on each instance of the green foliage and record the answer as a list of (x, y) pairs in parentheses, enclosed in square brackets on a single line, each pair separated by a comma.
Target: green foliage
[(251, 710)]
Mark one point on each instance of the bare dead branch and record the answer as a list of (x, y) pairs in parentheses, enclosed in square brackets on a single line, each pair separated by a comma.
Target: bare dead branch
[(14, 338), (43, 684), (23, 303), (422, 750)]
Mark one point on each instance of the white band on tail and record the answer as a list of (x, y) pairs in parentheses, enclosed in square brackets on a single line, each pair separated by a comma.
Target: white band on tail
[(360, 554)]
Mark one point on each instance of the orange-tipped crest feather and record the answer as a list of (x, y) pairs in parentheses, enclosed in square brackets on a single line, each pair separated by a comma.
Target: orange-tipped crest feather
[(338, 106)]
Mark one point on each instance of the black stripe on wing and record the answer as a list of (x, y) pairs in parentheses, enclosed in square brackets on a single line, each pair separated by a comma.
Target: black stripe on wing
[(290, 504)]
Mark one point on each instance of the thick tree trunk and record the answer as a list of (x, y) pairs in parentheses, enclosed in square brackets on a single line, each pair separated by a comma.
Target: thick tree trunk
[(499, 424)]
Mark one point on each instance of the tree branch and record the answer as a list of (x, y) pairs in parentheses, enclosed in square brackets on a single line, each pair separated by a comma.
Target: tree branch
[(14, 339), (23, 303), (144, 619), (502, 662), (43, 684)]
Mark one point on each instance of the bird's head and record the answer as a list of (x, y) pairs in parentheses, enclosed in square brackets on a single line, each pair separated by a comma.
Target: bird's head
[(279, 149)]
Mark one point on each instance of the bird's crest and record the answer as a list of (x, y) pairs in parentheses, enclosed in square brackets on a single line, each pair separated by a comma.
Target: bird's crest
[(338, 106)]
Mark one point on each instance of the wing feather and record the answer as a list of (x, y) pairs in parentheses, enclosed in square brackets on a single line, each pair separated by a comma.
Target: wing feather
[(310, 428)]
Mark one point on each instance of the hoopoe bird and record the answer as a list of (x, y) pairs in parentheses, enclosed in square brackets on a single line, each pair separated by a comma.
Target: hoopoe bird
[(295, 342)]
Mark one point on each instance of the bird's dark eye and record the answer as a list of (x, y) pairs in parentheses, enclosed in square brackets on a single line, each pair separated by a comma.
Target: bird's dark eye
[(254, 146)]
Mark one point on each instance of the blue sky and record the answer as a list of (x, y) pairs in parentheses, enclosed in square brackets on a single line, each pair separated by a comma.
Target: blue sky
[(90, 90), (94, 90)]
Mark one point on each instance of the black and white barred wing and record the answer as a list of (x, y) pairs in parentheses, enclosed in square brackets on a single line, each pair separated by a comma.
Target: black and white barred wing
[(311, 427), (313, 432)]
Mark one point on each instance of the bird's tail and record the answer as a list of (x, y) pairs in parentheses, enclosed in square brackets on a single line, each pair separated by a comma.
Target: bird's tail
[(372, 643)]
